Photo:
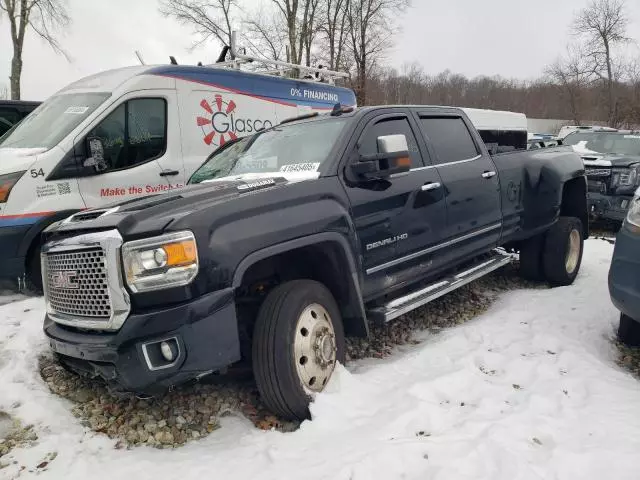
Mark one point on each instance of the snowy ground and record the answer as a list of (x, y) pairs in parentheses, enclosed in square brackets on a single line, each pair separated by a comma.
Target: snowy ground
[(529, 390)]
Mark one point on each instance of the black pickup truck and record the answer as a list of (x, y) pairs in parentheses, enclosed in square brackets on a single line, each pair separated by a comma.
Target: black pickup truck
[(294, 237)]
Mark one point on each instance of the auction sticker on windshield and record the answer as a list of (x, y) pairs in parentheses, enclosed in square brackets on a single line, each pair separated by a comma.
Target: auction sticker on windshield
[(300, 167)]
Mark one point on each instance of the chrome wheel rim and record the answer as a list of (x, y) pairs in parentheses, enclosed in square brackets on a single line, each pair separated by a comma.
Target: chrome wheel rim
[(314, 348), (573, 251)]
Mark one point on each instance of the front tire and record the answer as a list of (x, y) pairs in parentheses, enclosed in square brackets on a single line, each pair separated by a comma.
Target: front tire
[(629, 331), (562, 254), (297, 340), (34, 270)]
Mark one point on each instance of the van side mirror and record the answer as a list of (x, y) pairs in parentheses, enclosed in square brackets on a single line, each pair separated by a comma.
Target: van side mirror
[(95, 147), (393, 158)]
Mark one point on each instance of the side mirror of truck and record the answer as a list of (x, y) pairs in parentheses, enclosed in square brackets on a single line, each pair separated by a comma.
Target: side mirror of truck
[(95, 147), (393, 158)]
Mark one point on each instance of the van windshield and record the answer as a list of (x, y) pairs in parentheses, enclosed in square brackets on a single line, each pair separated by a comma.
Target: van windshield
[(48, 124), (295, 148)]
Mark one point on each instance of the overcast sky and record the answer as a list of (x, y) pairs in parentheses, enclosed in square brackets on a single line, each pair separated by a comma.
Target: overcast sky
[(512, 38)]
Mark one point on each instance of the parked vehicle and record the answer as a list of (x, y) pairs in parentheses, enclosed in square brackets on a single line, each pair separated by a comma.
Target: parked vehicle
[(624, 287), (612, 161), (157, 124), (12, 112), (540, 140), (296, 236), (568, 129)]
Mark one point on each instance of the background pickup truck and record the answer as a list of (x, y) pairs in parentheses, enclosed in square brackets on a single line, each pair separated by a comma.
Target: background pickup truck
[(297, 236)]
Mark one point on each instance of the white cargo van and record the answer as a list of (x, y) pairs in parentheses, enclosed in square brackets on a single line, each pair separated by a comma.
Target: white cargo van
[(131, 132)]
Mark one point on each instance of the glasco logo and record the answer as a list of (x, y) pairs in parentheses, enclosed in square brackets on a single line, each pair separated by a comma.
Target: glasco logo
[(222, 124)]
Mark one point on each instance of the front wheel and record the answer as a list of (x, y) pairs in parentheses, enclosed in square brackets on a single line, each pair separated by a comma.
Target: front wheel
[(297, 340), (629, 331)]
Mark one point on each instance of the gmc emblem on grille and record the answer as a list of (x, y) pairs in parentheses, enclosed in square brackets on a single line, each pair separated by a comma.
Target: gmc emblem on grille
[(66, 279)]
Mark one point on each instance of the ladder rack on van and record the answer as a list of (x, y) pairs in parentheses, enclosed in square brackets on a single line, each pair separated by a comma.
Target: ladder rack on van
[(240, 59)]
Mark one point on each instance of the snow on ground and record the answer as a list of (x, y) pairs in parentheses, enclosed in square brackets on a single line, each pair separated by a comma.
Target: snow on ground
[(528, 390)]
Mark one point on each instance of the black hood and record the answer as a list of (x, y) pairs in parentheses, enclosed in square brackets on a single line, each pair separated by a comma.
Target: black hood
[(154, 213), (616, 160)]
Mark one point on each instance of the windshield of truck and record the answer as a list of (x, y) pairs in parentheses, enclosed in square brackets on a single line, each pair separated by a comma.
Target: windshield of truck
[(615, 143), (294, 148), (48, 124)]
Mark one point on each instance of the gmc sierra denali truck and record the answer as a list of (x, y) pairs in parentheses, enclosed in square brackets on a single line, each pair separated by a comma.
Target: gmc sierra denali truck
[(292, 238)]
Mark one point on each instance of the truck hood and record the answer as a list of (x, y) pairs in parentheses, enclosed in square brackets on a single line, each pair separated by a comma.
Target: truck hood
[(152, 214), (609, 160), (17, 159)]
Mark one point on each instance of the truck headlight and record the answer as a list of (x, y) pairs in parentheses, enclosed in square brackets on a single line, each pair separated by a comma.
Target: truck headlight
[(633, 215), (626, 178), (166, 261), (6, 184)]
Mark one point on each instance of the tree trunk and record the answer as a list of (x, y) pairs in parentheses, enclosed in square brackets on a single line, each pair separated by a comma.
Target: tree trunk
[(612, 119), (16, 73)]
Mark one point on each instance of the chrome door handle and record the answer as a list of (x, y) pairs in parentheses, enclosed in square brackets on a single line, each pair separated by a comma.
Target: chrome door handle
[(427, 187), (489, 174)]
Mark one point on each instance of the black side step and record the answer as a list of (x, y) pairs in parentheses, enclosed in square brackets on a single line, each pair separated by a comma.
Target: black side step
[(401, 305)]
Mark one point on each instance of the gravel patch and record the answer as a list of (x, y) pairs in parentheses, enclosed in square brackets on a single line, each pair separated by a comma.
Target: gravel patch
[(629, 358), (190, 413), (13, 434)]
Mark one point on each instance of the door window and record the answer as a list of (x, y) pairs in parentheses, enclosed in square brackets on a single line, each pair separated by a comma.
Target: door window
[(133, 133), (368, 144), (450, 138)]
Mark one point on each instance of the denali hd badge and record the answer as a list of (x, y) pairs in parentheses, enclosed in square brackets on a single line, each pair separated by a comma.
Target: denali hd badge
[(258, 184), (387, 241), (66, 279)]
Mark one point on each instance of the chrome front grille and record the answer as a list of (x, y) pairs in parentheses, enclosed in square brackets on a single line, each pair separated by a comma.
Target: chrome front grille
[(77, 283), (82, 281)]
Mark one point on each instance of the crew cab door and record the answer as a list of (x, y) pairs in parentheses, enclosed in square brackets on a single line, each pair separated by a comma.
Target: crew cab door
[(142, 153), (398, 217), (470, 180)]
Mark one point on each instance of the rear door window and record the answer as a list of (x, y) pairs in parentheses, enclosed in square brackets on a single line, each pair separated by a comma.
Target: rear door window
[(450, 138)]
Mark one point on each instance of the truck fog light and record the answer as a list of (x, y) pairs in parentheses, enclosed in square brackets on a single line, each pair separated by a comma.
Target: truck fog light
[(167, 351), (162, 354)]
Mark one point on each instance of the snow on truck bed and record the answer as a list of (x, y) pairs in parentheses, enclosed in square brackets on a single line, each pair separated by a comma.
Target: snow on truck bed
[(529, 390)]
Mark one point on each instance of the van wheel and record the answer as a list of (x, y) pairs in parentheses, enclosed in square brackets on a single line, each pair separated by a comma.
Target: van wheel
[(297, 340), (562, 253), (531, 259), (34, 270), (629, 331)]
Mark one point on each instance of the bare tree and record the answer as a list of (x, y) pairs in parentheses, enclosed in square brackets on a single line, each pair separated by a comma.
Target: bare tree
[(265, 37), (370, 28), (603, 25), (299, 18), (572, 74), (334, 30), (44, 17), (310, 28), (4, 92), (210, 19)]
